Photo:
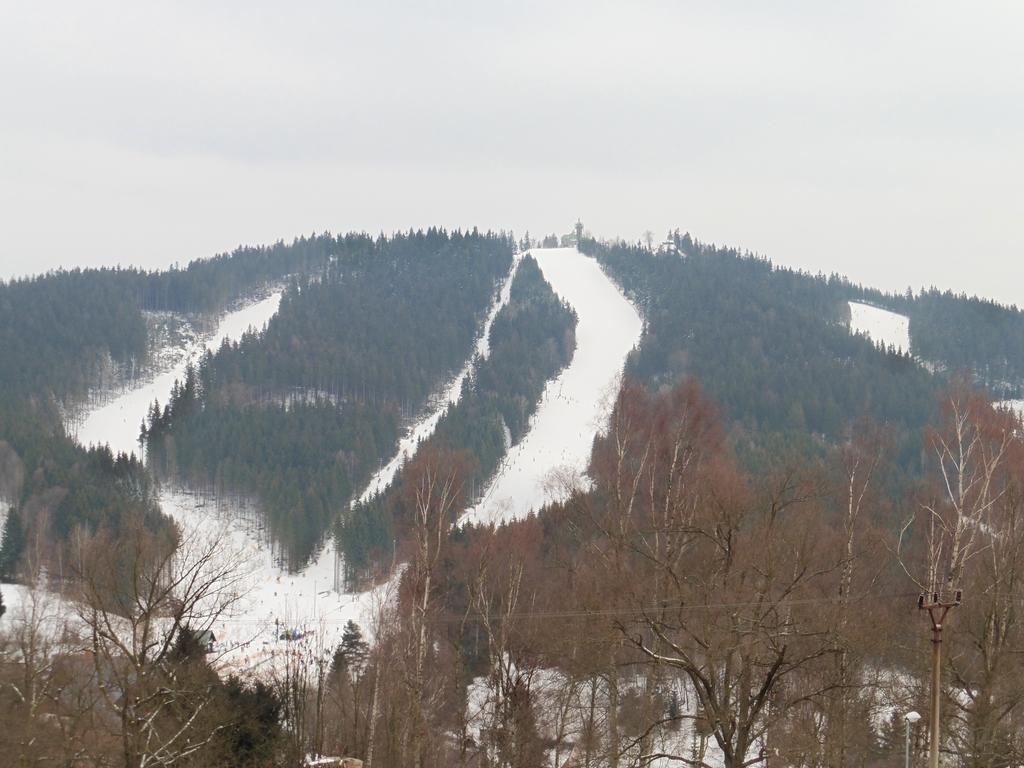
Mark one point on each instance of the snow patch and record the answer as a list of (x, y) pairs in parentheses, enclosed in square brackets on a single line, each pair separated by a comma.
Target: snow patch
[(880, 325), (5, 508)]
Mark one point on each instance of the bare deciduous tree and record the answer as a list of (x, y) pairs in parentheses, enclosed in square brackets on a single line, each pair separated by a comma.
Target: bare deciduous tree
[(142, 596), (725, 578), (434, 495)]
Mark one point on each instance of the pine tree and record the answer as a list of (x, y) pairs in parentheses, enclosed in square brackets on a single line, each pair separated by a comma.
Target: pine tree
[(352, 652), (12, 547)]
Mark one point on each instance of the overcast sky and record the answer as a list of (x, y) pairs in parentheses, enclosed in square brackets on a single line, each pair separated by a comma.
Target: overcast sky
[(881, 140)]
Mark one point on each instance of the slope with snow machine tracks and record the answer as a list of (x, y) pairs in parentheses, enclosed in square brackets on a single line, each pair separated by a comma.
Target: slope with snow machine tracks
[(575, 404)]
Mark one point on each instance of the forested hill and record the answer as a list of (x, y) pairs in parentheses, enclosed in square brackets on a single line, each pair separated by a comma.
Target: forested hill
[(301, 414), (60, 331), (770, 346), (57, 331), (384, 323), (967, 333)]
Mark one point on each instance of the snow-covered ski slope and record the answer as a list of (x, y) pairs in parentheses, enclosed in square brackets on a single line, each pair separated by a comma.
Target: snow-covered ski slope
[(575, 404), (424, 427), (117, 422), (311, 600), (307, 600), (275, 600), (880, 325), (572, 409)]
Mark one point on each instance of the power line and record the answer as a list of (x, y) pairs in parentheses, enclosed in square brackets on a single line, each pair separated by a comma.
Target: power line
[(582, 612)]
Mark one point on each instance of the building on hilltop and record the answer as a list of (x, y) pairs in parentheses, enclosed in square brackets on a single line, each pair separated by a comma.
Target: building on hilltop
[(573, 239)]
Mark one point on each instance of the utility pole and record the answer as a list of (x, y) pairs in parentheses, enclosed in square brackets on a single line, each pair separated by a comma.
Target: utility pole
[(937, 610)]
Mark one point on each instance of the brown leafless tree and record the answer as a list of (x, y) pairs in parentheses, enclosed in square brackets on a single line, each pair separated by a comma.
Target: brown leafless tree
[(434, 494), (726, 578), (139, 595)]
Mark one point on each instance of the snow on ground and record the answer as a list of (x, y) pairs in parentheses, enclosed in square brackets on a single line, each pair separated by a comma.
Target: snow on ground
[(1017, 406), (574, 405), (880, 325), (311, 600), (424, 427), (566, 709), (16, 597), (117, 422), (308, 602), (275, 600)]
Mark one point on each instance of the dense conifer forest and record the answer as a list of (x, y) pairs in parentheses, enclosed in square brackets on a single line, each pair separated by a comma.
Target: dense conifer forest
[(301, 414), (61, 331), (769, 345), (957, 333), (384, 322), (57, 330), (968, 333)]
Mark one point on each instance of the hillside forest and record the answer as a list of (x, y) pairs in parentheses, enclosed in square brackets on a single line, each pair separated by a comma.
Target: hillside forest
[(736, 583)]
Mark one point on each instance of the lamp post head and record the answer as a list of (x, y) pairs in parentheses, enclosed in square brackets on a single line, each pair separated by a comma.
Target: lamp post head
[(912, 717)]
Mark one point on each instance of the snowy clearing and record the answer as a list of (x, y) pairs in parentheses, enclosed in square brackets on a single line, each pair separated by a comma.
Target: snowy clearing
[(574, 404), (880, 325), (117, 422)]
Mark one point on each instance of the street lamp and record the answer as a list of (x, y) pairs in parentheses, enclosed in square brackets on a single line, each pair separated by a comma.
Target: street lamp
[(910, 718)]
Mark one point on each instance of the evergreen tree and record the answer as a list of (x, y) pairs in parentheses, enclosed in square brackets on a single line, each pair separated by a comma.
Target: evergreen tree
[(351, 654), (12, 547)]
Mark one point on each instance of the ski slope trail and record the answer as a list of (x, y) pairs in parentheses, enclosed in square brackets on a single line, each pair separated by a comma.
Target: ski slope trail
[(575, 404), (311, 601), (117, 423), (424, 427), (275, 599), (880, 325)]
